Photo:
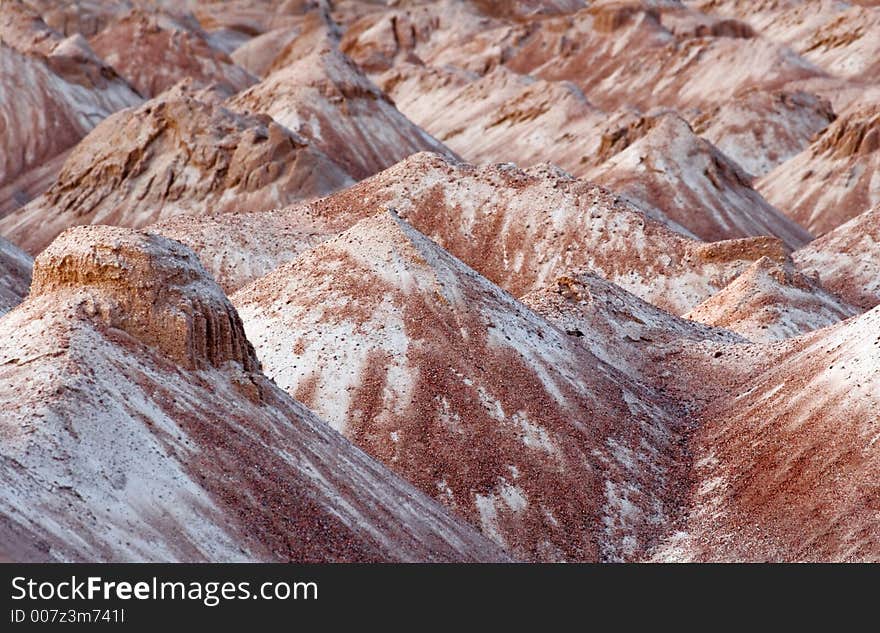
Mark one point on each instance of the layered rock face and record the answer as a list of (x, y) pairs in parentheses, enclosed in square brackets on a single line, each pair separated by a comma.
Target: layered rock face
[(182, 153), (53, 91), (150, 287), (834, 179)]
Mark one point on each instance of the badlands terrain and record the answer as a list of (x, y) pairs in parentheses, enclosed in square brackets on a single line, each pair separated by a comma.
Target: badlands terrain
[(452, 281)]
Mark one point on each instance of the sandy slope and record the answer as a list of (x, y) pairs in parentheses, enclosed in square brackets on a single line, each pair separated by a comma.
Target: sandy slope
[(136, 425)]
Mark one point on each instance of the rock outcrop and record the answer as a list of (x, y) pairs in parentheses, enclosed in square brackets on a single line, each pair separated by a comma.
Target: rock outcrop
[(325, 98), (53, 91), (833, 180), (137, 427), (681, 179), (182, 153), (151, 288), (761, 130)]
